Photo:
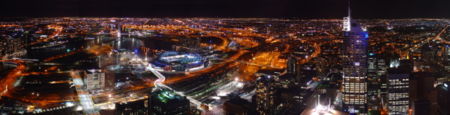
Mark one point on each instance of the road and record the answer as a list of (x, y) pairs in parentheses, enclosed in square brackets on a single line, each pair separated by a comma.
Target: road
[(258, 53)]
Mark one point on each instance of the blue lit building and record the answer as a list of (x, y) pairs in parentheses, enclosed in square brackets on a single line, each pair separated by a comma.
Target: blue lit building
[(355, 67), (179, 61)]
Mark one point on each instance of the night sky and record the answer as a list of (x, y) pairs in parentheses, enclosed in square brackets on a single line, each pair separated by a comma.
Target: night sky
[(226, 8)]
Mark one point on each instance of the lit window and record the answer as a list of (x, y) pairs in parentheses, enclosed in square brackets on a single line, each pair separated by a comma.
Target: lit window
[(357, 63)]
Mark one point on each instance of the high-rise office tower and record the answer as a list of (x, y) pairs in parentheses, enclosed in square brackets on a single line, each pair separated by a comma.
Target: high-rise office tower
[(442, 98), (446, 61), (292, 65), (265, 95), (423, 93), (355, 66), (373, 83), (398, 91)]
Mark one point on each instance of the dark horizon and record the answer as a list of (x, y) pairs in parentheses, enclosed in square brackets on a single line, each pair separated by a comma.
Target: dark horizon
[(322, 9)]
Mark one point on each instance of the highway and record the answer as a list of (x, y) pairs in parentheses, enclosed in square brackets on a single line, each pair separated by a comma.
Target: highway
[(257, 52)]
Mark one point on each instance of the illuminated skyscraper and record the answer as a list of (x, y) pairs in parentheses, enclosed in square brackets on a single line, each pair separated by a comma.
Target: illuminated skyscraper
[(398, 92), (442, 98), (265, 95), (119, 31), (291, 65), (373, 82), (355, 66), (446, 60)]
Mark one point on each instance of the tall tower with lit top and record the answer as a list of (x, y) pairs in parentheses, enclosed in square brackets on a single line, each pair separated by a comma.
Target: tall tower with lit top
[(355, 66)]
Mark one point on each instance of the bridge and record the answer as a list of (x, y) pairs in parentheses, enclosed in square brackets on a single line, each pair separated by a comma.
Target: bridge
[(159, 83)]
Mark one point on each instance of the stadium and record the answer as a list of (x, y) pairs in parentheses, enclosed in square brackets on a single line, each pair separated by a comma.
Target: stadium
[(172, 61)]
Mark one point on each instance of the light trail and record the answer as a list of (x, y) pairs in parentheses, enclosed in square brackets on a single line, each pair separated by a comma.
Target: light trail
[(62, 55), (8, 81), (229, 88), (7, 85)]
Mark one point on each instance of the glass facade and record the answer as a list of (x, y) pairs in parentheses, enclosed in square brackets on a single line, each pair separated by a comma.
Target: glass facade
[(398, 97), (355, 68), (265, 91)]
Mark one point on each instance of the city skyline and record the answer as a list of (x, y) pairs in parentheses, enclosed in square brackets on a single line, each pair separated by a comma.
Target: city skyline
[(327, 57), (306, 9)]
